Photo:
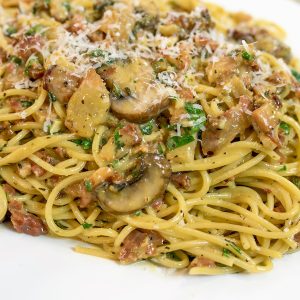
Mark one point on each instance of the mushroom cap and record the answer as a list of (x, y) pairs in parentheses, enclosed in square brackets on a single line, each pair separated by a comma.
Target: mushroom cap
[(152, 184)]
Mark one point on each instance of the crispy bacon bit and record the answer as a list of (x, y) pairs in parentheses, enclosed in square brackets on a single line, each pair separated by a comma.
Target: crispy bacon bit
[(203, 42), (61, 83), (15, 104), (202, 262), (297, 238), (77, 24), (9, 189), (181, 180), (185, 93), (131, 134), (105, 174), (24, 222), (157, 204), (222, 130), (220, 71), (24, 168), (264, 122), (140, 245), (37, 170), (29, 45), (279, 208), (61, 152), (78, 190)]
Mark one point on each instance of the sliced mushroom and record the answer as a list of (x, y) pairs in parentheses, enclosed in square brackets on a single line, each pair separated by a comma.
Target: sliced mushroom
[(135, 95), (88, 106), (61, 83), (152, 183)]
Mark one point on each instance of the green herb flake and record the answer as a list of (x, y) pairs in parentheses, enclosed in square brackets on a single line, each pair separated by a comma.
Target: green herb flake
[(86, 144), (179, 141), (86, 225), (197, 115), (115, 163), (34, 30), (26, 104), (226, 252), (173, 256), (285, 127), (117, 140), (60, 225), (97, 53), (88, 185), (116, 91), (138, 213), (51, 97), (296, 74), (247, 56), (296, 181), (17, 60), (67, 6), (147, 128), (283, 168), (234, 246), (10, 30), (160, 149)]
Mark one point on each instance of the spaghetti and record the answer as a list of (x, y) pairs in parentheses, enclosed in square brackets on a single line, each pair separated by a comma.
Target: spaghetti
[(158, 130)]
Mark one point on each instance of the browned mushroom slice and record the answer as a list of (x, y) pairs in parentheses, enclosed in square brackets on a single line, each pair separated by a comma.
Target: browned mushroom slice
[(61, 83), (88, 106), (152, 183), (135, 95)]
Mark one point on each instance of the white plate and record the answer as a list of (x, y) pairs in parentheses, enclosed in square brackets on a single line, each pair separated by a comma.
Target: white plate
[(45, 268)]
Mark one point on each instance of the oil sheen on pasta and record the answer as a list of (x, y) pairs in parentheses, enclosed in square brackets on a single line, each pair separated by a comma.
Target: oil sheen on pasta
[(158, 130)]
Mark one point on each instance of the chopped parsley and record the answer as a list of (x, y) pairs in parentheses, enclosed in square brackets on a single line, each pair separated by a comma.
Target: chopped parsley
[(179, 141), (86, 225), (52, 97), (88, 185), (138, 213), (296, 181), (234, 246), (26, 104), (86, 144), (247, 56), (10, 30), (34, 30), (173, 256), (67, 6), (283, 168), (285, 127), (97, 53), (17, 60), (196, 115), (147, 128), (160, 149), (117, 140), (33, 61), (116, 91), (226, 252), (296, 74)]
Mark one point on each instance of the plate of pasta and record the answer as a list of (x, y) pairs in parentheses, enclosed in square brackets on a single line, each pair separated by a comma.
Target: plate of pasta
[(146, 144)]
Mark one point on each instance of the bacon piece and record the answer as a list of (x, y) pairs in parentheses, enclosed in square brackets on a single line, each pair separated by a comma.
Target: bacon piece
[(223, 130), (202, 262), (222, 70), (131, 134), (297, 238), (264, 122), (24, 222), (181, 180), (9, 189), (29, 45), (77, 24), (78, 190), (140, 245)]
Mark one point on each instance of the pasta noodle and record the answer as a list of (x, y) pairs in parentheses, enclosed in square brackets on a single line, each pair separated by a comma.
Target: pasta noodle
[(158, 130)]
